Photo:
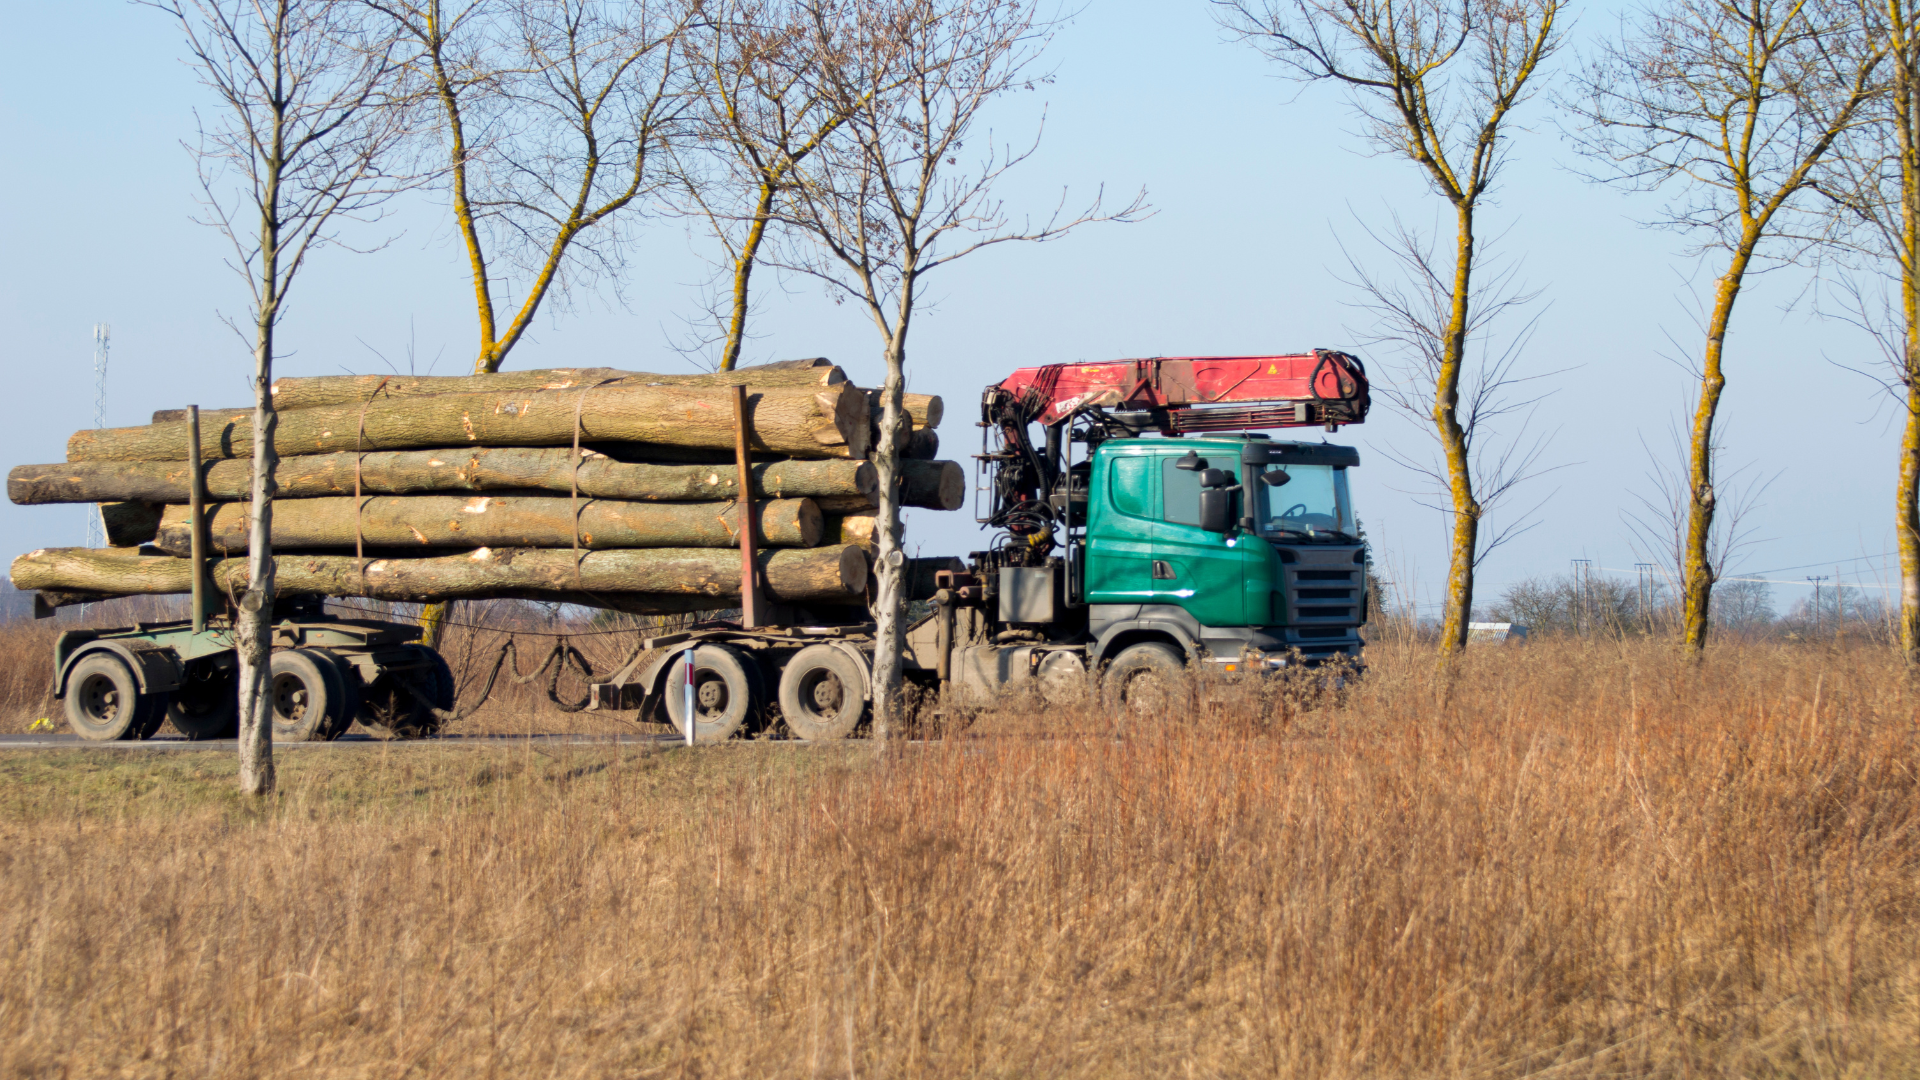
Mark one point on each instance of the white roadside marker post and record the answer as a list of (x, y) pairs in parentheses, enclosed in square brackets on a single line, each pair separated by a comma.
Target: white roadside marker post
[(687, 696)]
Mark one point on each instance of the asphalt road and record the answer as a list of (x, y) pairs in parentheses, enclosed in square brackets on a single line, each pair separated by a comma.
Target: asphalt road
[(68, 741)]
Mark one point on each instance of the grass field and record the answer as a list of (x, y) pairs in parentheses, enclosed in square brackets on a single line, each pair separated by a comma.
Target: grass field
[(1573, 860)]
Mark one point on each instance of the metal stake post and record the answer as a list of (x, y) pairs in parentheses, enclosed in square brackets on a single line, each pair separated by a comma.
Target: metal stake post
[(749, 575), (196, 520)]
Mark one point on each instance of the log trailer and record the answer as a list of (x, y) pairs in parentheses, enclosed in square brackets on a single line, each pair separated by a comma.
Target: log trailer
[(1152, 528)]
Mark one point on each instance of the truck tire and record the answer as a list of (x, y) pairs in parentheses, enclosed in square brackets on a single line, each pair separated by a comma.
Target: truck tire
[(206, 708), (822, 694), (311, 701), (727, 688), (393, 705), (104, 702), (1145, 681)]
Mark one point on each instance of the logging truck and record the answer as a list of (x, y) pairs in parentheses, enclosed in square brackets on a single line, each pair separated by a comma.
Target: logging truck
[(1154, 528)]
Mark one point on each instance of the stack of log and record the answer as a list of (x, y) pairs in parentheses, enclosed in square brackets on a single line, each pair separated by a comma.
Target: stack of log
[(471, 487)]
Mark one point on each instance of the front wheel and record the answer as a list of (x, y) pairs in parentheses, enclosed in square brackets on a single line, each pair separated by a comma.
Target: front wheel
[(104, 702), (1146, 682)]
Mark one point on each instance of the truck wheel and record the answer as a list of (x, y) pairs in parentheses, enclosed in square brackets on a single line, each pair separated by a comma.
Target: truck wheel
[(104, 703), (206, 708), (391, 707), (1145, 681), (821, 694), (727, 691), (310, 699)]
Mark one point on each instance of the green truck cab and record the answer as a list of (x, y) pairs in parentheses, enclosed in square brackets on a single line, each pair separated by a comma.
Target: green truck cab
[(1231, 548)]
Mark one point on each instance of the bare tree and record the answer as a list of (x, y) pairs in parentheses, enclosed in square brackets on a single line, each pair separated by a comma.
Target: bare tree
[(1436, 82), (1660, 524), (887, 201), (550, 114), (1735, 104), (299, 146), (760, 111), (1874, 183), (1412, 307)]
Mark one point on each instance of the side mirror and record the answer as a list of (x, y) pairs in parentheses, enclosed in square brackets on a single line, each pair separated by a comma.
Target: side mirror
[(1215, 478), (1275, 477), (1216, 510), (1191, 463)]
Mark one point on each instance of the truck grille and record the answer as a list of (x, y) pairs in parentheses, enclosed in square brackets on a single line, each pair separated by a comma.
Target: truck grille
[(1324, 587)]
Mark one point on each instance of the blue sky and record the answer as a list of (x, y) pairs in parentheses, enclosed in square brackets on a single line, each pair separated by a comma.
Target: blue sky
[(1257, 183)]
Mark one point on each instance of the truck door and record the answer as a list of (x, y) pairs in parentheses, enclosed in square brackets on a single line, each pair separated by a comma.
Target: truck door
[(1122, 515), (1196, 569)]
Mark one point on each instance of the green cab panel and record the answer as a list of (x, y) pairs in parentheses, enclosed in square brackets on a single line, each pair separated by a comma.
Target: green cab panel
[(1200, 571), (1120, 520), (1145, 544)]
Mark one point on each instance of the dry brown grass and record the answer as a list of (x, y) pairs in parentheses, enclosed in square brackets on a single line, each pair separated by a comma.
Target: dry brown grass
[(1575, 862)]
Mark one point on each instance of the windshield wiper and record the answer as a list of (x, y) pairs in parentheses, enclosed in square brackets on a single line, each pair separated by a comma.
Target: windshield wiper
[(1329, 535)]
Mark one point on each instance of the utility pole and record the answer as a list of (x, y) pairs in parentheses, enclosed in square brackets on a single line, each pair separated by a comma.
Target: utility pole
[(1643, 572), (1816, 579), (102, 345)]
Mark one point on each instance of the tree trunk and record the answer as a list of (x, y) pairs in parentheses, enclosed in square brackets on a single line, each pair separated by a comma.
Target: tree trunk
[(889, 596), (420, 472), (253, 633), (1906, 109), (793, 575), (743, 273), (1697, 572), (329, 390), (1458, 611), (805, 422), (402, 522)]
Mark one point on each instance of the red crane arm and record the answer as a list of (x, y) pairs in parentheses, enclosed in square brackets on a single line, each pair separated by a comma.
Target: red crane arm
[(1200, 393)]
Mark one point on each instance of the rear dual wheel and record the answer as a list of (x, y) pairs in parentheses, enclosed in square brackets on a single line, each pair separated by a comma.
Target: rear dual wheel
[(313, 697), (728, 693), (822, 694), (400, 704), (104, 701)]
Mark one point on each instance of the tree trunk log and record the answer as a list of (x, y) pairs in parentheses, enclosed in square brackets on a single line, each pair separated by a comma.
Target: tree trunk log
[(325, 390), (808, 422), (810, 575), (930, 485), (925, 409), (860, 530), (921, 446), (130, 524), (419, 472), (403, 522)]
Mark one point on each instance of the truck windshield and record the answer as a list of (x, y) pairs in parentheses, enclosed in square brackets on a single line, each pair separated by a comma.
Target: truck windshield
[(1312, 505)]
